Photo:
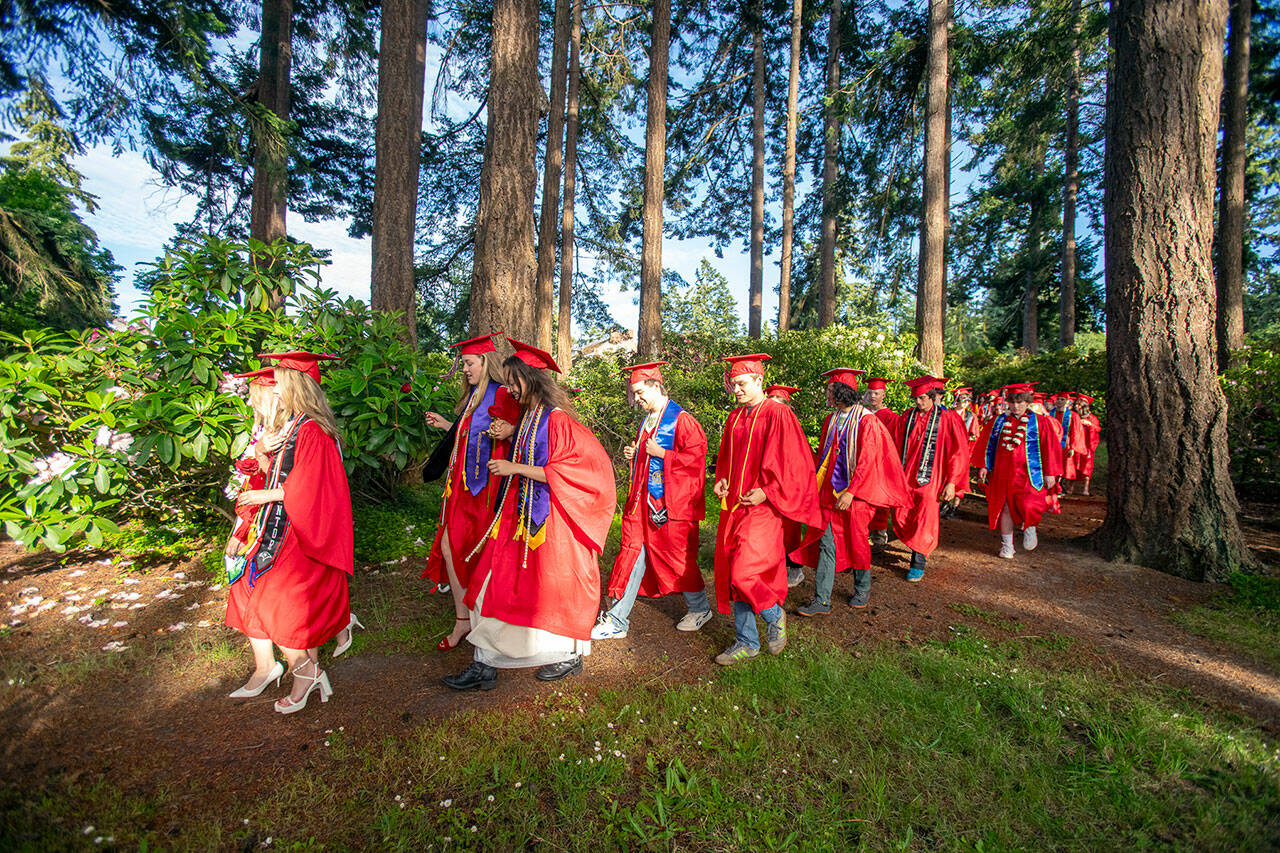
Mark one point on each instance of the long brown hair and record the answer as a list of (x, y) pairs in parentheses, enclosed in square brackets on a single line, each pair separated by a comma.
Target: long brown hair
[(300, 394), (492, 373), (537, 386)]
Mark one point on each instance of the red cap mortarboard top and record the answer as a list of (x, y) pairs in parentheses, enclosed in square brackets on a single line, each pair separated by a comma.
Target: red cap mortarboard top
[(963, 391), (265, 377), (742, 364), (846, 375), (534, 357), (878, 384), (1020, 388), (476, 346), (505, 407), (924, 384), (644, 372), (303, 362), (783, 391), (1085, 397)]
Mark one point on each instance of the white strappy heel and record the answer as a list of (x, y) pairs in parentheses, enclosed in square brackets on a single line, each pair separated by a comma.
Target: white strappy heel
[(318, 681), (351, 635)]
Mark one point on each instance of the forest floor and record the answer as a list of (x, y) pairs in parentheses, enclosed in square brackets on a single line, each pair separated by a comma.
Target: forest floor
[(113, 683)]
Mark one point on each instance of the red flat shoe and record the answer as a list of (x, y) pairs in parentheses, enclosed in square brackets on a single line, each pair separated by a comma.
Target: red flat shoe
[(445, 646)]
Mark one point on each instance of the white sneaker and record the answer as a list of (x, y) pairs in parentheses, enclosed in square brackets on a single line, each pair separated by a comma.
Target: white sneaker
[(693, 621), (607, 629), (1029, 540), (795, 575), (1006, 550)]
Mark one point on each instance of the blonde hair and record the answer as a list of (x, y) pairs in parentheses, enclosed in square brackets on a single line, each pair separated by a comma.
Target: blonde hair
[(492, 373), (268, 414), (300, 394)]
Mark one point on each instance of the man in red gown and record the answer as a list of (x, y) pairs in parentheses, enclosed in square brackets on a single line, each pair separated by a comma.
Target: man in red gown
[(535, 589), (1019, 457), (1092, 438), (934, 451), (764, 473), (659, 554), (792, 533), (1073, 440), (877, 388), (858, 472)]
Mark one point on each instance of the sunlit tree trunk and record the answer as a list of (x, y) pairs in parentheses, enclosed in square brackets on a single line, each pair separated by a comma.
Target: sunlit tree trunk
[(830, 173), (551, 176), (756, 295), (789, 173), (1235, 101), (1070, 189), (930, 290), (649, 333), (564, 340)]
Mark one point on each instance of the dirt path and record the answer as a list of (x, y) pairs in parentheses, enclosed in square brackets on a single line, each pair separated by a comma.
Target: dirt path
[(154, 715)]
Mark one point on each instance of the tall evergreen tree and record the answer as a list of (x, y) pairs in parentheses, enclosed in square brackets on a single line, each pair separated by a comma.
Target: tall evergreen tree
[(649, 333), (1231, 211), (931, 287)]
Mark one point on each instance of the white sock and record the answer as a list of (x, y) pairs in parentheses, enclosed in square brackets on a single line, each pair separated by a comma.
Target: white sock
[(1006, 540)]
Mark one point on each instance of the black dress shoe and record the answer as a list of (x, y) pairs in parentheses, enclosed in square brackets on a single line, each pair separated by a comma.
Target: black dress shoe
[(477, 676), (556, 671)]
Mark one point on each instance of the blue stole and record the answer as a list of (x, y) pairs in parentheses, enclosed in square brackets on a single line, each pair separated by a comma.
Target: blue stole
[(533, 500), (1065, 420), (1035, 468), (665, 435), (475, 462)]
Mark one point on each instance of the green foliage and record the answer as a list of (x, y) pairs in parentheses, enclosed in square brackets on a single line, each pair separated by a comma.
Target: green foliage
[(404, 527), (705, 308), (1252, 386), (695, 376), (1247, 621), (139, 421), (1076, 368)]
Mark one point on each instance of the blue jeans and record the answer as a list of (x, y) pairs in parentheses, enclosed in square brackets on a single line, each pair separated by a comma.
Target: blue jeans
[(826, 573), (620, 613), (744, 622)]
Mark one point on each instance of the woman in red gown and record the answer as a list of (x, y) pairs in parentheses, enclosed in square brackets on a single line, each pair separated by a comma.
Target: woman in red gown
[(301, 556), (470, 489)]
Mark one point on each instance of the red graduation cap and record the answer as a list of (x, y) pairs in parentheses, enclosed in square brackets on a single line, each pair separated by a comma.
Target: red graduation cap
[(924, 384), (742, 364), (265, 376), (477, 345), (303, 362), (877, 384), (963, 391), (1085, 397), (644, 372), (1020, 388), (783, 391), (846, 375), (534, 357), (505, 407)]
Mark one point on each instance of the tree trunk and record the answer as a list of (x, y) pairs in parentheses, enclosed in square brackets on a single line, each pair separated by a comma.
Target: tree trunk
[(1235, 101), (649, 333), (503, 295), (830, 173), (398, 147), (1031, 277), (269, 199), (1170, 503), (789, 173), (1070, 188), (756, 296), (946, 184), (930, 290), (551, 176), (564, 340)]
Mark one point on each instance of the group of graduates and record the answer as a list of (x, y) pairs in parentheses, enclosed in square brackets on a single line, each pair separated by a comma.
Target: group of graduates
[(530, 495)]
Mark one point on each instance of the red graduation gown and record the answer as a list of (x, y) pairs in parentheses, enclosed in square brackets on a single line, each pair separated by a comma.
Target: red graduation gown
[(559, 588), (917, 523), (465, 516), (1076, 444), (302, 601), (888, 417), (1008, 481), (671, 549), (875, 481), (762, 446), (1092, 437)]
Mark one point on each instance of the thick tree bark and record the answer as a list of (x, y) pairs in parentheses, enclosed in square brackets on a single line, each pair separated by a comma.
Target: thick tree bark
[(930, 289), (551, 176), (397, 152), (1070, 189), (269, 200), (503, 294), (649, 333), (1170, 503), (564, 340), (1235, 101), (1031, 277), (755, 310), (789, 173), (830, 173)]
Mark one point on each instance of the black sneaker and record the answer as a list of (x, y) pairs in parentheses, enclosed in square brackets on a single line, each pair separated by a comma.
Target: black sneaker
[(815, 608), (860, 598)]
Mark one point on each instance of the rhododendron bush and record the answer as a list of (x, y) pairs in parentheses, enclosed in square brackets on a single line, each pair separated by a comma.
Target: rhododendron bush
[(143, 420)]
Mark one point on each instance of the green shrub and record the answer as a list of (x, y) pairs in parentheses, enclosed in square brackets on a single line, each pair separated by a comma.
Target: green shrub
[(139, 422), (1252, 386), (1076, 368)]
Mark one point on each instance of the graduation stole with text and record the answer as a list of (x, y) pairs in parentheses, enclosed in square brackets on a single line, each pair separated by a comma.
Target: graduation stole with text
[(655, 482), (271, 524), (925, 472), (840, 448), (1035, 461)]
